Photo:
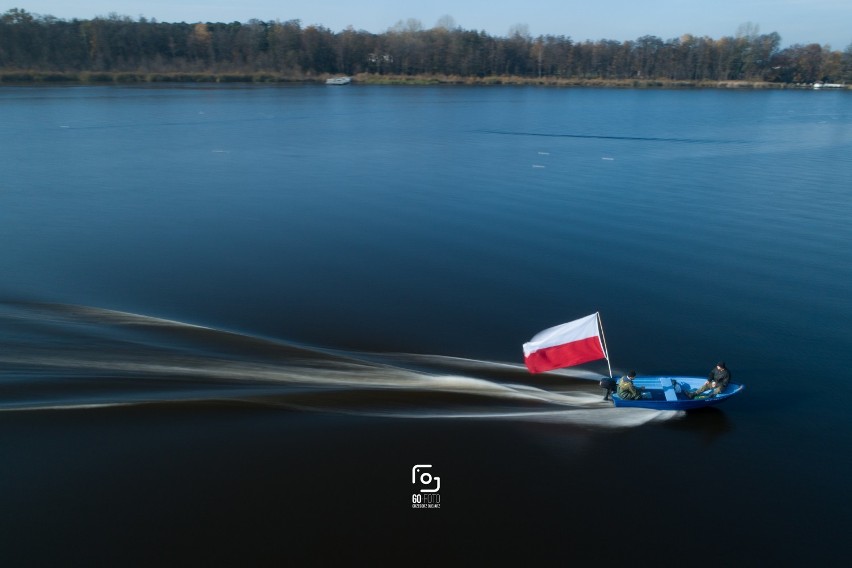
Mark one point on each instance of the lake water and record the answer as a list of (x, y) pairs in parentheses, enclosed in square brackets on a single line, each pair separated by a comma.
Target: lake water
[(233, 320)]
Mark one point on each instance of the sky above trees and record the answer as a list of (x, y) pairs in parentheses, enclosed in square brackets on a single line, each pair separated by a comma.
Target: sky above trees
[(826, 22)]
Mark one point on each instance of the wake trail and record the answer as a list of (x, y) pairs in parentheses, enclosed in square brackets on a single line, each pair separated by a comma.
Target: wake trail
[(79, 357), (609, 137)]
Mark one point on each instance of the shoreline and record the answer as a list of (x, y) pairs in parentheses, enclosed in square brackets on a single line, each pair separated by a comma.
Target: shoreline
[(12, 78)]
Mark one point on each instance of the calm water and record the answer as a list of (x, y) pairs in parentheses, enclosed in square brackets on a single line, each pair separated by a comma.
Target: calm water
[(233, 319)]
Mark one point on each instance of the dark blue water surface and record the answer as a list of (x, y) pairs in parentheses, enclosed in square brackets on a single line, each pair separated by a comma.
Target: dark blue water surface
[(233, 319)]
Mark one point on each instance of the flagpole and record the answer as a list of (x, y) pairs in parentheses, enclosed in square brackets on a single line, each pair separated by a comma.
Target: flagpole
[(606, 351)]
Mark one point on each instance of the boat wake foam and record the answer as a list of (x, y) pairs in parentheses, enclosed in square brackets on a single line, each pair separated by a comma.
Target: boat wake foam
[(61, 356)]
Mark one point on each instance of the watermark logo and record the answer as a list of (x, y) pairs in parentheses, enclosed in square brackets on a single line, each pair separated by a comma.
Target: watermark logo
[(426, 487)]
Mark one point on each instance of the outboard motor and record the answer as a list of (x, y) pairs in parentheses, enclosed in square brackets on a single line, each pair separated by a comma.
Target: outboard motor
[(609, 385)]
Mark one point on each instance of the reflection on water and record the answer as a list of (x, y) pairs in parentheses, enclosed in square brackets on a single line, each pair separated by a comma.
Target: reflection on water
[(707, 424)]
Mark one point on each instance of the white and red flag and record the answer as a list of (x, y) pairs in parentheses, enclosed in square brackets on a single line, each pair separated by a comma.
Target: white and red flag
[(565, 345)]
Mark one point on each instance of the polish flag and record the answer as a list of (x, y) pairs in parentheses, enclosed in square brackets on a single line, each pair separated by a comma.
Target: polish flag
[(565, 345)]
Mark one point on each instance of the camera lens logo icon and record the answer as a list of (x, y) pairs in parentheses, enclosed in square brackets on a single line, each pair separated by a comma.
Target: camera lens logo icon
[(425, 478)]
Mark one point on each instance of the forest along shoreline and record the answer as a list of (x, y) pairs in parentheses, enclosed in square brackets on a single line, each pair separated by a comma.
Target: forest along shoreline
[(120, 50), (12, 78)]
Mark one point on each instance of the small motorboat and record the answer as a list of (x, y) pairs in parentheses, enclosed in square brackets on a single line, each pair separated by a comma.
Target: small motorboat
[(582, 340), (672, 393)]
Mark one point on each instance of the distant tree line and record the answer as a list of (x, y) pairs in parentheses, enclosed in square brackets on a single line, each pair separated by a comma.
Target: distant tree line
[(117, 44)]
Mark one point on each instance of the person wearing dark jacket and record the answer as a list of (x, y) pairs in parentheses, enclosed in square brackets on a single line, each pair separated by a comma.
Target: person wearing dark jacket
[(717, 380)]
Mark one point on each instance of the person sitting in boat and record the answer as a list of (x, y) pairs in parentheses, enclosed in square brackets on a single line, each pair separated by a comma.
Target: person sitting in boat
[(626, 389), (717, 380)]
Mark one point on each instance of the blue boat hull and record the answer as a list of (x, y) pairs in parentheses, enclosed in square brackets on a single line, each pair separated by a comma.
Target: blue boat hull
[(661, 393)]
